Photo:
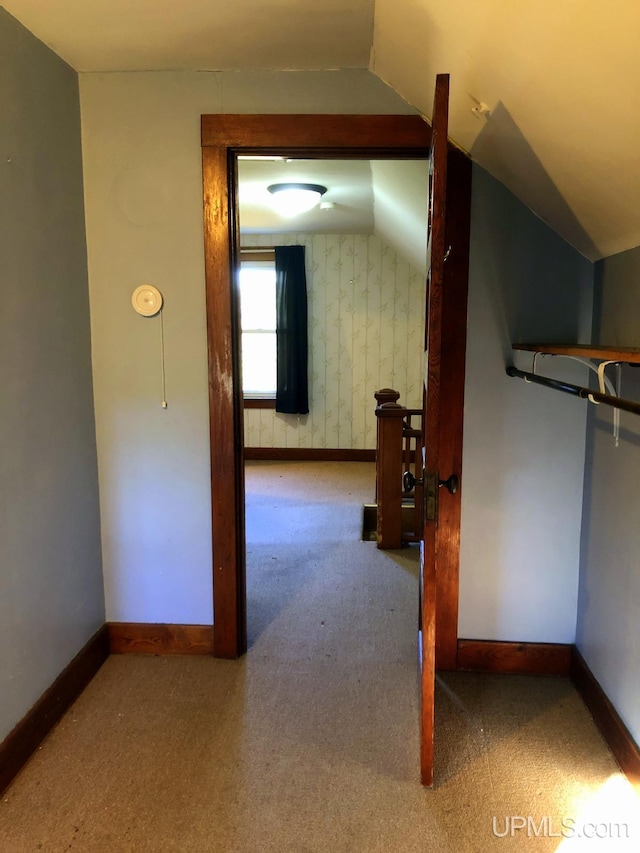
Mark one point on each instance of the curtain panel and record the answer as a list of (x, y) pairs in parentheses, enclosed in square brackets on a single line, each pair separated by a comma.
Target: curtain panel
[(292, 391)]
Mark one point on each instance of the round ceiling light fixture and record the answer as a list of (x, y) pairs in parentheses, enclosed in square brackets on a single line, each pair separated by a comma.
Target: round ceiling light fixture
[(291, 199)]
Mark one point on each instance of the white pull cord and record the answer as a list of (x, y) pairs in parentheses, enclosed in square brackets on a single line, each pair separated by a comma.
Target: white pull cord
[(164, 378), (148, 302)]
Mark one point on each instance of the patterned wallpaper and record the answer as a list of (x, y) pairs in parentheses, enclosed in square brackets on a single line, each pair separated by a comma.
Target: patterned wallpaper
[(366, 330)]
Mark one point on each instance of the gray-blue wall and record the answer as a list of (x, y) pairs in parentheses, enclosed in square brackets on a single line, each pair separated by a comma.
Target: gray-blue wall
[(523, 445), (51, 590), (608, 631)]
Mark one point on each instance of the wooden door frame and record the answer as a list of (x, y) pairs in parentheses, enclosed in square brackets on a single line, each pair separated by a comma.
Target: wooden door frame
[(326, 136)]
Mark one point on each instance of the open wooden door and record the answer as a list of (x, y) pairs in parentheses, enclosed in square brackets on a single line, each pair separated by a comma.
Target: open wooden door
[(436, 249)]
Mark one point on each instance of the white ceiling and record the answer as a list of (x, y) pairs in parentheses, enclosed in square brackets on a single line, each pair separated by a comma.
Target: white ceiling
[(204, 35), (400, 192), (561, 79), (348, 184), (383, 197)]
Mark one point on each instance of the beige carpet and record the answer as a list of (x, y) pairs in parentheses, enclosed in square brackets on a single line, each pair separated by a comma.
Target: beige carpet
[(310, 742)]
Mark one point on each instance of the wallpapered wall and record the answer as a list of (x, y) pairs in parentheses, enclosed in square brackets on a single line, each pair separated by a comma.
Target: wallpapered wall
[(366, 330)]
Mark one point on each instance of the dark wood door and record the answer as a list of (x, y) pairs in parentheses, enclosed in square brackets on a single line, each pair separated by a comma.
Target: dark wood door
[(436, 249)]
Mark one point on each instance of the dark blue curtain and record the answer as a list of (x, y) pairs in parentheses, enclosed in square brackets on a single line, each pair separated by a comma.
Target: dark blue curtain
[(292, 391)]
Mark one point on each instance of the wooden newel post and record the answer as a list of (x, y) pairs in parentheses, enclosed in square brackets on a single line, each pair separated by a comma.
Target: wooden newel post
[(386, 395), (389, 471)]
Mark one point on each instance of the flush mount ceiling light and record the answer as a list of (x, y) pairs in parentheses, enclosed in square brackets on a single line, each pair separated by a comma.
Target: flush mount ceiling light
[(291, 199)]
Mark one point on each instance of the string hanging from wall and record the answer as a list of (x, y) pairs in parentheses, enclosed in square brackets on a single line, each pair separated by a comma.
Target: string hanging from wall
[(148, 302)]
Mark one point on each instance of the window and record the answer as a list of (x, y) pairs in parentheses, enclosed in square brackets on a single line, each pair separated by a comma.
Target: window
[(258, 324)]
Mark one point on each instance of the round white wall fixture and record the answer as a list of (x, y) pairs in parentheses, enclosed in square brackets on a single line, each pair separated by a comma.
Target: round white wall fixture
[(147, 300)]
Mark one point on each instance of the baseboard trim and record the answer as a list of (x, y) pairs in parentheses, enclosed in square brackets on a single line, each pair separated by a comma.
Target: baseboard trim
[(164, 639), (144, 638), (514, 658), (26, 737), (618, 737), (308, 454)]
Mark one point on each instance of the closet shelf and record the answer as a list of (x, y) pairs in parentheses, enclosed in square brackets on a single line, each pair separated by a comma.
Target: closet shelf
[(627, 355), (586, 353)]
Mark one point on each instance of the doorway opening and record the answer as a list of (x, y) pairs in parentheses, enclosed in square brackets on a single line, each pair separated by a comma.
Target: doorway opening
[(224, 138), (364, 246)]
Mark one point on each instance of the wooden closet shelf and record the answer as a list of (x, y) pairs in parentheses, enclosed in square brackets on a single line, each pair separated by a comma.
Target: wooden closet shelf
[(628, 355)]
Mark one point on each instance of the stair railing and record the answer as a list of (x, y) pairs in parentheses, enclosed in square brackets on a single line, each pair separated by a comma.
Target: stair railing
[(398, 450)]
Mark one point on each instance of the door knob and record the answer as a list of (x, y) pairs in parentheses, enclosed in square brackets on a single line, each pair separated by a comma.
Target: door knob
[(451, 484), (409, 482)]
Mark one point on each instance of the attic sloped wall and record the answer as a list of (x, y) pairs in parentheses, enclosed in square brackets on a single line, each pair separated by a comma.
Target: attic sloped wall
[(366, 332), (609, 600), (51, 592)]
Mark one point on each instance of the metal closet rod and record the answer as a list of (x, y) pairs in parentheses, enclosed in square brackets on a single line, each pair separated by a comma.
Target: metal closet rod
[(576, 390)]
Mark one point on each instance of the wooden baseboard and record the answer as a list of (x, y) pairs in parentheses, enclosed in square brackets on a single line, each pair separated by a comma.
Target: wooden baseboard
[(148, 638), (606, 718), (308, 454), (157, 639), (514, 658), (26, 737)]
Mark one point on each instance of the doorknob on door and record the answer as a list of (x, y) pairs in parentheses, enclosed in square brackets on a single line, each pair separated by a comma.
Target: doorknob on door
[(451, 484), (409, 482)]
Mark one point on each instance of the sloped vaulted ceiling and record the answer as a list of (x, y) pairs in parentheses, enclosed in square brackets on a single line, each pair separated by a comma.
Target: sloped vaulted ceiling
[(560, 78), (561, 81)]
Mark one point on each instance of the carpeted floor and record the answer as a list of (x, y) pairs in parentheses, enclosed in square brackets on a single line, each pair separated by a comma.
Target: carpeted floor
[(310, 742)]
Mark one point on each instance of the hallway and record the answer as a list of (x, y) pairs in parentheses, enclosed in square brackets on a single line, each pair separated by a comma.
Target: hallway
[(310, 743)]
